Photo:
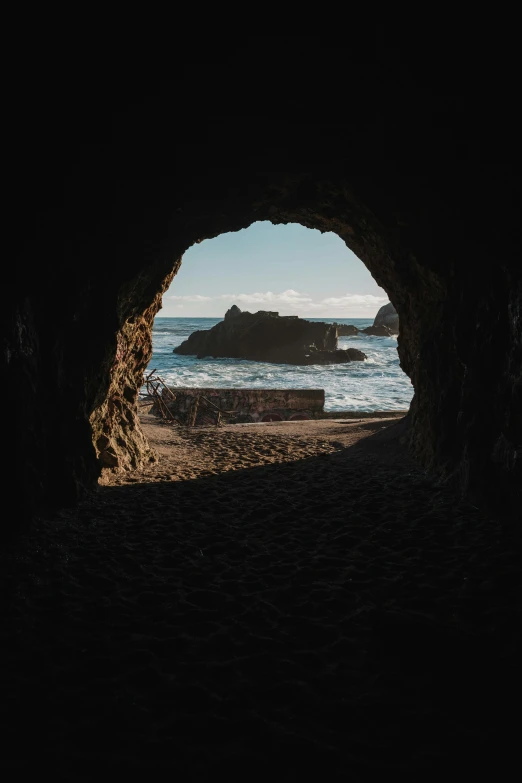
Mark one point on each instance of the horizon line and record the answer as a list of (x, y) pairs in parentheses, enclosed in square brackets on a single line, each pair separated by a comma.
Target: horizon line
[(298, 316)]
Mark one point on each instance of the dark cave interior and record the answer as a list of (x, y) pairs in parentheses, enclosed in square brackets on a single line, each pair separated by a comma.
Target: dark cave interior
[(402, 162)]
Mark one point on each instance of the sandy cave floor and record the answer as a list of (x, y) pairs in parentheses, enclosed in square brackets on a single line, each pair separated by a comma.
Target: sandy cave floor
[(293, 600)]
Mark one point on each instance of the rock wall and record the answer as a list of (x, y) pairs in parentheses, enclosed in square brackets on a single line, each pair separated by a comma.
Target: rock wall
[(117, 436), (410, 172)]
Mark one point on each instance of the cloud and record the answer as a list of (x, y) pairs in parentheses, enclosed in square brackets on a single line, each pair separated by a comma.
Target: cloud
[(295, 300), (289, 297), (351, 300)]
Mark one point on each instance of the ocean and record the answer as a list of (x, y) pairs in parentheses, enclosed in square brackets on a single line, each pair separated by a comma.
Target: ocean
[(378, 383)]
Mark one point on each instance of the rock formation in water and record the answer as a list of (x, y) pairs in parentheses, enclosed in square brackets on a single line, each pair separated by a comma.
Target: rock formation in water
[(346, 330), (338, 356), (388, 316), (268, 337), (377, 331)]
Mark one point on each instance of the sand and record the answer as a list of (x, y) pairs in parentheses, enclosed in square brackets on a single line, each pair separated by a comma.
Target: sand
[(284, 601)]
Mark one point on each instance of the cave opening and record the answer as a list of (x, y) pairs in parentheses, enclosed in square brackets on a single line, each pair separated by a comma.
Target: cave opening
[(113, 314), (294, 271)]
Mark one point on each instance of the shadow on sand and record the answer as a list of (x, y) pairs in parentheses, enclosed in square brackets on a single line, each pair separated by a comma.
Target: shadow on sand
[(336, 618)]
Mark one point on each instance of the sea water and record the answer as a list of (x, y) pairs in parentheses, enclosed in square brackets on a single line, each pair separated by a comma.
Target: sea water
[(377, 383)]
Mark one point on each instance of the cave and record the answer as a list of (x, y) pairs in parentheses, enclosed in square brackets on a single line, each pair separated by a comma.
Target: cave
[(401, 162), (411, 203)]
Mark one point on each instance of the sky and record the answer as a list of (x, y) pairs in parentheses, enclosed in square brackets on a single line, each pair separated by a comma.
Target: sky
[(287, 268)]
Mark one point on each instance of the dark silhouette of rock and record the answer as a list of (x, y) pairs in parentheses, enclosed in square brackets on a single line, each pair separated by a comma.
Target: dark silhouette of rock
[(233, 312), (346, 330), (388, 316), (268, 337), (339, 356), (377, 331)]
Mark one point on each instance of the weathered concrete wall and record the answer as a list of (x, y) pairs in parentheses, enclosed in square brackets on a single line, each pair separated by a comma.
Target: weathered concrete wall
[(250, 404)]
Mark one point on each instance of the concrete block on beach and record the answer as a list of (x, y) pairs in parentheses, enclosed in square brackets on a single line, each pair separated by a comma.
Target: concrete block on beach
[(251, 405)]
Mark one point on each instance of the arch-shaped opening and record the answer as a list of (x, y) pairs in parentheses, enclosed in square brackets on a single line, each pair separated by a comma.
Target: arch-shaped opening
[(307, 202), (411, 274), (295, 273)]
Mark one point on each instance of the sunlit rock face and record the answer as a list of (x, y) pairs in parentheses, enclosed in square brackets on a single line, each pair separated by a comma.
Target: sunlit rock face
[(117, 436), (419, 190)]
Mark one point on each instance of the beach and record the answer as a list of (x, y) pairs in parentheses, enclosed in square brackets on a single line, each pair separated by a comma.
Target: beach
[(284, 601)]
